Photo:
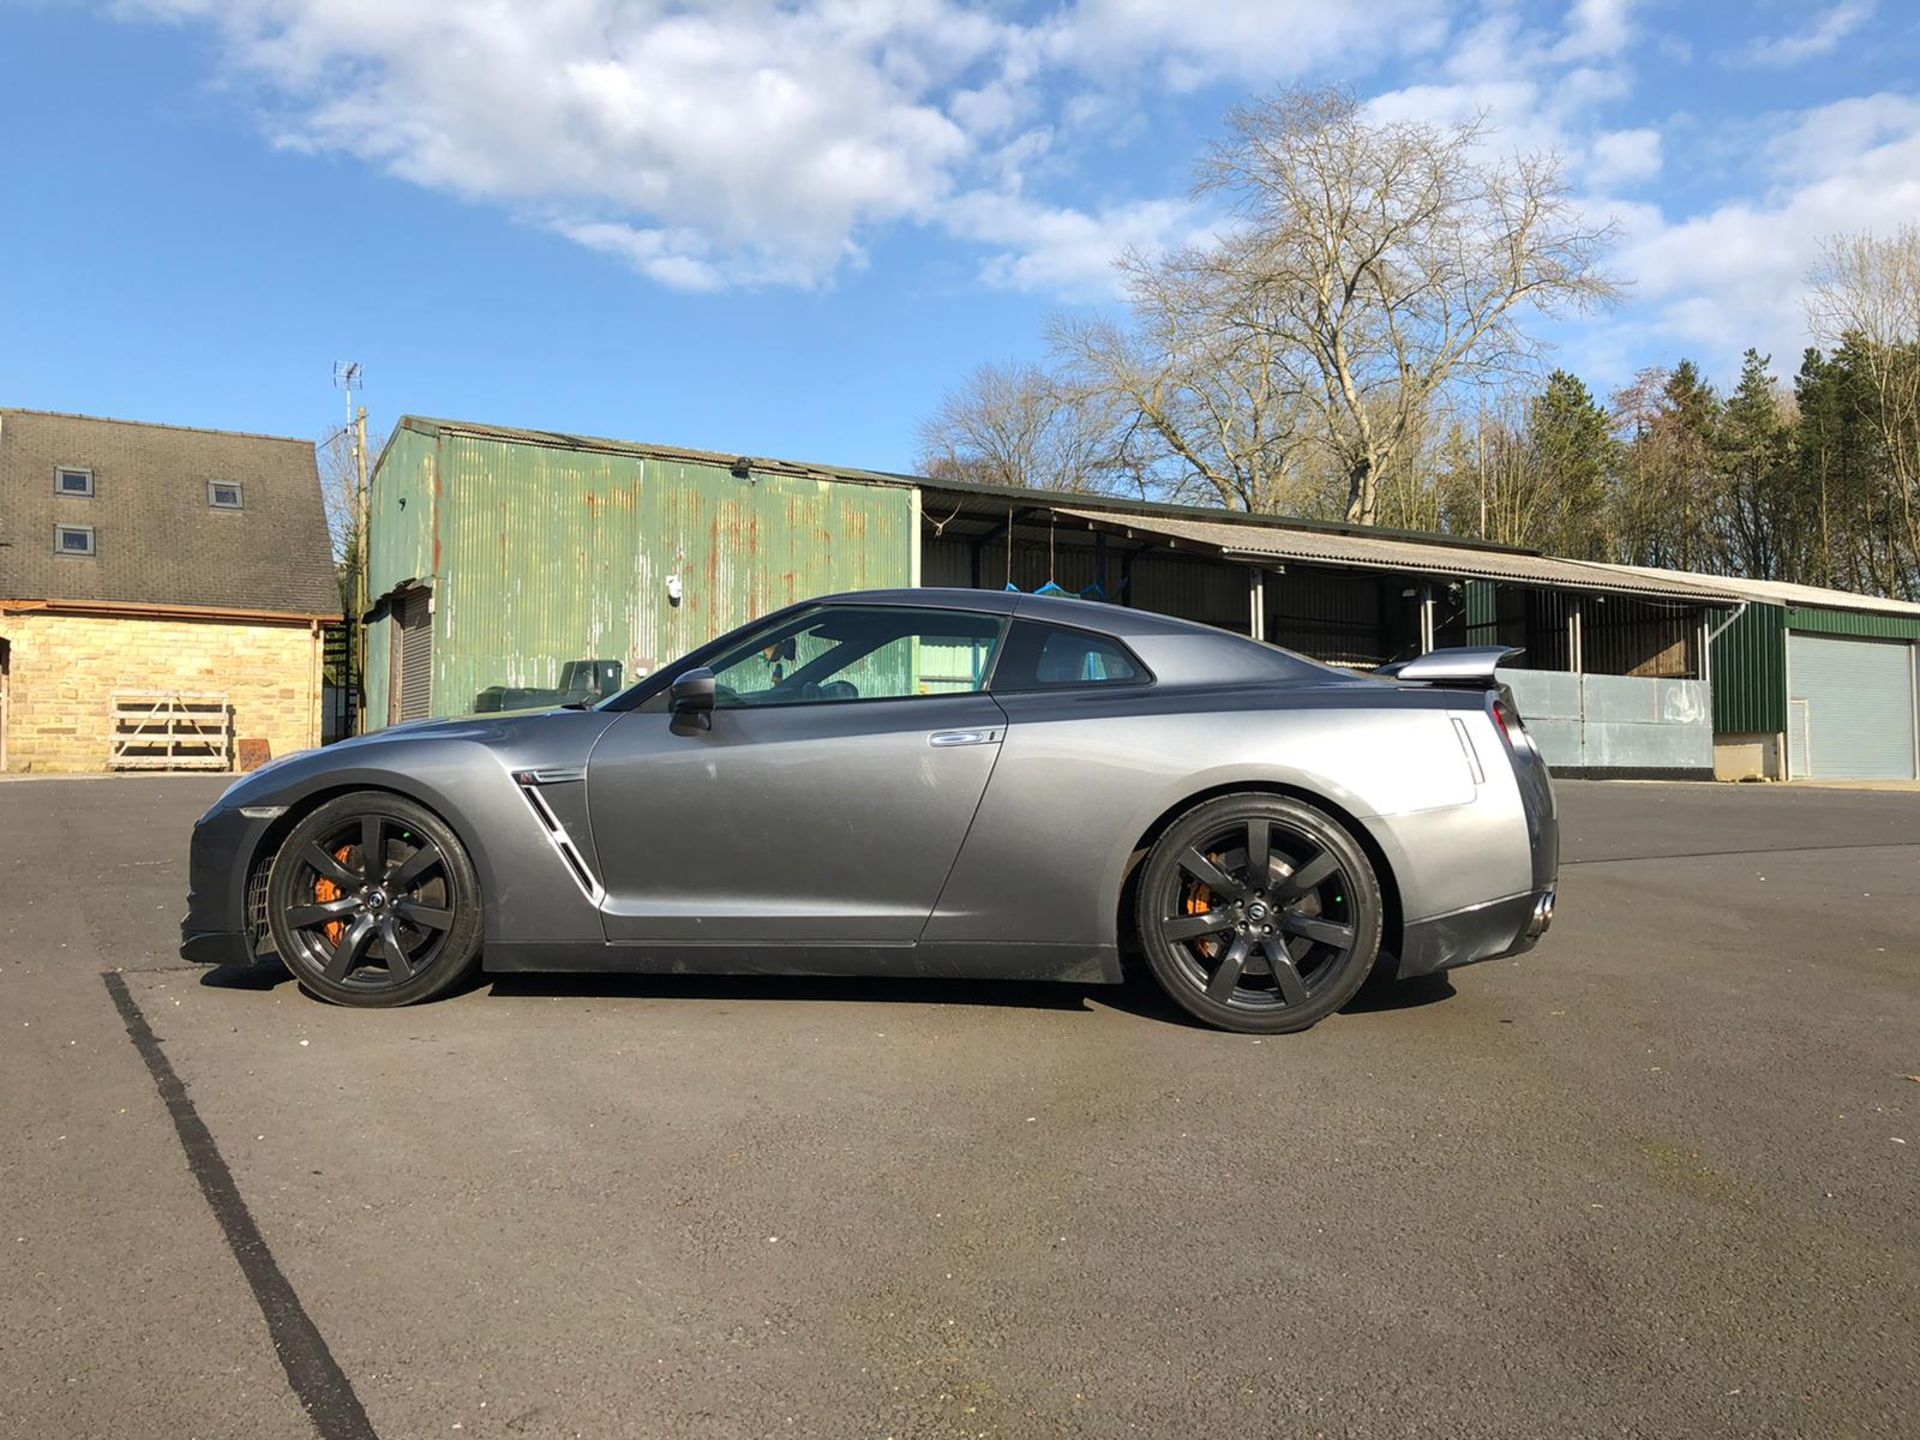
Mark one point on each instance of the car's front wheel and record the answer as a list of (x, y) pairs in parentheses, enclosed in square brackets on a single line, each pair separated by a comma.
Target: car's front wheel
[(1259, 913), (372, 900)]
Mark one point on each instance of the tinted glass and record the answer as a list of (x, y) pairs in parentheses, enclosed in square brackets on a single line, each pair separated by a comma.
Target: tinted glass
[(1046, 657), (843, 653), (76, 482), (78, 541)]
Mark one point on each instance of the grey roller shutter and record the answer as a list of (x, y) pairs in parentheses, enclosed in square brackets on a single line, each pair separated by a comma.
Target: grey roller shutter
[(1859, 707), (414, 629)]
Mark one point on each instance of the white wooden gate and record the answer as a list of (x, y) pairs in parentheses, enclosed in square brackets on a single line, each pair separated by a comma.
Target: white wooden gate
[(152, 730)]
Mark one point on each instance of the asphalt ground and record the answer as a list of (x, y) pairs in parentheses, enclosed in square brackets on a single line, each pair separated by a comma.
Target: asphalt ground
[(1657, 1178)]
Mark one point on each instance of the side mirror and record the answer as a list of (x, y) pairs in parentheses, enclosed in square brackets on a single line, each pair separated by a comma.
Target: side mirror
[(692, 693)]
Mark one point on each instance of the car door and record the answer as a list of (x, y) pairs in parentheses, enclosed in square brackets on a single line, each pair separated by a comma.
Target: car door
[(825, 801)]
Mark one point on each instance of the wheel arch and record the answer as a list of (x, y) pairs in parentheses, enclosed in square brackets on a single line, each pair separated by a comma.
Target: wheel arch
[(1393, 923), (267, 848)]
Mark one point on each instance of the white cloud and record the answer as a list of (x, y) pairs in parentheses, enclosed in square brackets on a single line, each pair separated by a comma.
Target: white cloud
[(1623, 157), (1735, 275), (1196, 41), (1823, 37), (710, 143), (1596, 29), (1063, 251)]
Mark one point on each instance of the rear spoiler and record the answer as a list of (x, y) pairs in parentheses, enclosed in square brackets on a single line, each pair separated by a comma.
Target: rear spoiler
[(1470, 667)]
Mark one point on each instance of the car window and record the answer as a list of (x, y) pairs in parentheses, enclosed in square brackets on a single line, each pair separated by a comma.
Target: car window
[(841, 653), (1047, 657)]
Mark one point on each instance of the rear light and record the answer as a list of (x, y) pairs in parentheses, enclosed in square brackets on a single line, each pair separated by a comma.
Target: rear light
[(1504, 720)]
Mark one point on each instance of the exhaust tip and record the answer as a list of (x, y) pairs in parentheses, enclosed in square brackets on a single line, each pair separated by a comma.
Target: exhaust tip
[(1542, 917)]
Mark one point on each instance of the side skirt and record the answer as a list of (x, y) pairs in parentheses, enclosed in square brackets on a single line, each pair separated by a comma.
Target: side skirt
[(944, 960)]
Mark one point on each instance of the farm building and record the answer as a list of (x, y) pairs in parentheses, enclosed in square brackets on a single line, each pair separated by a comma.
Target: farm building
[(514, 567), (162, 595), (1814, 684), (517, 567)]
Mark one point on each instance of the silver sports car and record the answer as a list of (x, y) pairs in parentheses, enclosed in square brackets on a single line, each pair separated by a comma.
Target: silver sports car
[(936, 783)]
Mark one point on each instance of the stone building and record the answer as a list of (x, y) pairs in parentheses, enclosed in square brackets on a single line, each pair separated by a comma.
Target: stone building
[(162, 595)]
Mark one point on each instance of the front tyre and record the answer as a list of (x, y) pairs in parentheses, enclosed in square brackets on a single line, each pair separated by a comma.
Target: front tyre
[(1259, 913), (373, 901)]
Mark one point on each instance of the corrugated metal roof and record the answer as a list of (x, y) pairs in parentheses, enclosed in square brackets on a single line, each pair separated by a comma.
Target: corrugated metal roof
[(1284, 542), (1780, 592)]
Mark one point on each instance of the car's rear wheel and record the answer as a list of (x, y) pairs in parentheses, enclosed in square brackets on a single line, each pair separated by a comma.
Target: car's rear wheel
[(373, 901), (1259, 913)]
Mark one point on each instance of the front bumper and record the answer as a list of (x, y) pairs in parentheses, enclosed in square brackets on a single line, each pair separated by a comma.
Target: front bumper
[(1499, 928), (221, 925), (216, 947)]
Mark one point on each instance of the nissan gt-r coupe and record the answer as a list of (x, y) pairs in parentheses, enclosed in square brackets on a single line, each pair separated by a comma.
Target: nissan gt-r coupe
[(935, 783)]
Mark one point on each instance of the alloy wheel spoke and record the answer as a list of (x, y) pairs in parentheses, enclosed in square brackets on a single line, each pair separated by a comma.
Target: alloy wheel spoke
[(1211, 875), (426, 916), (1286, 976), (373, 850), (330, 868), (353, 944), (413, 867), (305, 917), (1309, 876), (399, 963), (1259, 853), (1327, 932), (1227, 975), (1191, 927)]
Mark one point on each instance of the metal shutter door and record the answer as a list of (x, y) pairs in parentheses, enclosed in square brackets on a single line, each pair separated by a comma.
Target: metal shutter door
[(416, 658), (1860, 707)]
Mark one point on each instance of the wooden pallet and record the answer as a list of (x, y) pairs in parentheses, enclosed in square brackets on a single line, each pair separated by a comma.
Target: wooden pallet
[(154, 730)]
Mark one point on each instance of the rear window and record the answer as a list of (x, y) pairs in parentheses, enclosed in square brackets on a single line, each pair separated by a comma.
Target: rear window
[(1055, 657)]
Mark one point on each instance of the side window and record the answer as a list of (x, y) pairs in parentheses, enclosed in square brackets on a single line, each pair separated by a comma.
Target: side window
[(841, 653), (1058, 657), (1051, 657)]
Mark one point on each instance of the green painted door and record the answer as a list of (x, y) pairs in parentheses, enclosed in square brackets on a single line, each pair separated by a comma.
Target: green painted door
[(1859, 708)]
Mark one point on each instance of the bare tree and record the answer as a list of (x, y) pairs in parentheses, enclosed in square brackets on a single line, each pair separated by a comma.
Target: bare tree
[(338, 478), (1380, 262), (1212, 406), (1018, 425), (1866, 300)]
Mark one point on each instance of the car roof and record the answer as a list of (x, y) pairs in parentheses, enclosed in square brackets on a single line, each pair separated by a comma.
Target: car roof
[(1177, 651)]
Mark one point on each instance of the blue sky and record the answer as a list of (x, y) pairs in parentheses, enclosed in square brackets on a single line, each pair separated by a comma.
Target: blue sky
[(786, 228)]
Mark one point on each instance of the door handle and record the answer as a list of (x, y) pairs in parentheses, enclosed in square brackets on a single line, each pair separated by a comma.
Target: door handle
[(946, 739)]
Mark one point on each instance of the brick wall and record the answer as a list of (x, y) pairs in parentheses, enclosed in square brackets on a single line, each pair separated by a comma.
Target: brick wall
[(65, 668)]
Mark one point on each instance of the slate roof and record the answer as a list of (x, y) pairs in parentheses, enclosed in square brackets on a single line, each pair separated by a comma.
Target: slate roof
[(157, 540)]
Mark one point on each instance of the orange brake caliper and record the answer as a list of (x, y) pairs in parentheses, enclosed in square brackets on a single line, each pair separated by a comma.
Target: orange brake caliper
[(325, 892), (1199, 901)]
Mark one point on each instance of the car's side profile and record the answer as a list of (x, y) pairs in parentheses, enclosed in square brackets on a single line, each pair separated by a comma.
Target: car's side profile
[(918, 783)]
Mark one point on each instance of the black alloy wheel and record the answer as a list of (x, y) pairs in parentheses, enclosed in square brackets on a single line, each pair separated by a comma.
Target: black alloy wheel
[(1259, 913), (373, 901)]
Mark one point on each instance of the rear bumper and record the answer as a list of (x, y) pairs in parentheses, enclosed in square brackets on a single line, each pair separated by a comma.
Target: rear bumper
[(1510, 926)]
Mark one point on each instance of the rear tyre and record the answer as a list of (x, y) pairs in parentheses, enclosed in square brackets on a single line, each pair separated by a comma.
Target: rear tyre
[(373, 901), (1259, 913)]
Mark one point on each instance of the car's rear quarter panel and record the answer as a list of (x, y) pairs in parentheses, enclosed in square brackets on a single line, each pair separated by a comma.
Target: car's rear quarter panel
[(1083, 776)]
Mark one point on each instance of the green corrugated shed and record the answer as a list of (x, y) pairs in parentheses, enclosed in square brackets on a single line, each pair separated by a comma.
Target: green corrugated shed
[(1750, 659), (542, 549), (1750, 673)]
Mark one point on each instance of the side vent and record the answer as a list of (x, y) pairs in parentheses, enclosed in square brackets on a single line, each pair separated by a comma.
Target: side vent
[(532, 783)]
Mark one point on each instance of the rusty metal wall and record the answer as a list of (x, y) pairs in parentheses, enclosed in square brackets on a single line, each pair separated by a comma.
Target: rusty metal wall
[(400, 546), (550, 555)]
